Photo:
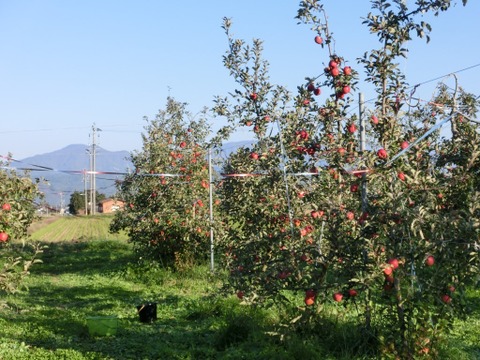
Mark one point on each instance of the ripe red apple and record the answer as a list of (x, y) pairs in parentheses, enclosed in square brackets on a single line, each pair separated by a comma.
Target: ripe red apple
[(352, 293), (352, 128), (354, 187), (3, 236), (401, 176), (337, 297), (317, 91), (306, 102), (446, 299), (350, 215), (341, 151), (253, 96), (267, 118), (382, 154), (303, 134), (6, 207), (374, 120), (318, 39), (310, 293), (404, 145), (316, 214), (254, 156), (393, 262), (240, 294), (346, 89), (309, 301), (332, 64), (430, 260), (388, 270), (347, 70), (248, 123), (183, 144), (311, 86), (334, 71)]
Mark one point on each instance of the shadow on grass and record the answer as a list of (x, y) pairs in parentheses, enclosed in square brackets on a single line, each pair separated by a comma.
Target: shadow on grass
[(85, 257)]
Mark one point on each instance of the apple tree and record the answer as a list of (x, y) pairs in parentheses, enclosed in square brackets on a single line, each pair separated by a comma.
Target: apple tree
[(166, 198), (17, 212), (391, 227)]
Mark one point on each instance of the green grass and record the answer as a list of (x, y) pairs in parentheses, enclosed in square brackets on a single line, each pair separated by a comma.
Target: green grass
[(66, 228), (92, 277)]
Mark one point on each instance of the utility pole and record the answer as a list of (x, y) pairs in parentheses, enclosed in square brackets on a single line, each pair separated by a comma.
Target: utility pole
[(93, 184)]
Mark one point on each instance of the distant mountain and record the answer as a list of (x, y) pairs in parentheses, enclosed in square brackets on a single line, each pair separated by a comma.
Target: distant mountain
[(62, 169), (66, 166)]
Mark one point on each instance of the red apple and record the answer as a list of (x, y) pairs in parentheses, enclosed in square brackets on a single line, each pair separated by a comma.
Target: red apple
[(350, 215), (337, 297), (382, 154), (240, 294), (317, 91), (183, 144), (430, 260), (393, 262), (318, 39), (388, 270), (311, 87), (6, 207), (334, 71), (254, 156), (3, 236), (346, 89), (354, 187), (317, 214), (446, 299), (332, 64), (401, 176), (310, 293), (347, 70), (309, 301), (253, 96), (374, 120), (404, 145), (352, 128), (352, 292), (303, 134)]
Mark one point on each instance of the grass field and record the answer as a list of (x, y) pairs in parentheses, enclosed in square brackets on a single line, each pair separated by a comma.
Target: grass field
[(93, 276), (66, 228)]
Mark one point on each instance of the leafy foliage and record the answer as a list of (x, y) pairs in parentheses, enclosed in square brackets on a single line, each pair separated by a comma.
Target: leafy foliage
[(17, 195), (167, 198), (392, 228)]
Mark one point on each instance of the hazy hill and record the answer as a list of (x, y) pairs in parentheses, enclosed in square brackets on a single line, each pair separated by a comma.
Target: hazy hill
[(59, 184), (75, 158)]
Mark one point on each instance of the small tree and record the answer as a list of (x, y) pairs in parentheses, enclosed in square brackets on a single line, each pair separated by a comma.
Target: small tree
[(167, 197), (77, 201)]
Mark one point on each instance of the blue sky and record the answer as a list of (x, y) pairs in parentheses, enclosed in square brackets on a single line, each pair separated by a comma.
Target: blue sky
[(65, 65)]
